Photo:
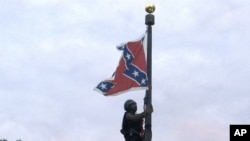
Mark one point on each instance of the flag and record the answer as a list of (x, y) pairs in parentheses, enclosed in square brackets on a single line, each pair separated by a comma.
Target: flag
[(131, 72)]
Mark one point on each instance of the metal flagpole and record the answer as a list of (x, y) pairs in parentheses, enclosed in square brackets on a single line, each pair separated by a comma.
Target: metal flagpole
[(149, 21)]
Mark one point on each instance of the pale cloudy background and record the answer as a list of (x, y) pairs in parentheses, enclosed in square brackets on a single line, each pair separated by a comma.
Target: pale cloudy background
[(54, 52)]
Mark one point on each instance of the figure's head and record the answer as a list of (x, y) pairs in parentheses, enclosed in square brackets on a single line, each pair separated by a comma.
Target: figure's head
[(130, 105)]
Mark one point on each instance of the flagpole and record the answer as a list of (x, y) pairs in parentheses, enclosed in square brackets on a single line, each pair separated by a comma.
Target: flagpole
[(149, 21)]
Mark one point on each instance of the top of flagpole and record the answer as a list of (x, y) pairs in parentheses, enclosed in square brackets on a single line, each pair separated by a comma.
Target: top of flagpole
[(150, 8)]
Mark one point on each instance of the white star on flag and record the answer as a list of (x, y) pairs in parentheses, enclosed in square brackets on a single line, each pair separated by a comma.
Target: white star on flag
[(143, 81), (136, 73), (128, 56), (103, 86)]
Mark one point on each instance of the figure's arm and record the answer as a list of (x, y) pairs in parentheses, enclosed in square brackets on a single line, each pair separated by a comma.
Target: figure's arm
[(136, 116), (148, 109)]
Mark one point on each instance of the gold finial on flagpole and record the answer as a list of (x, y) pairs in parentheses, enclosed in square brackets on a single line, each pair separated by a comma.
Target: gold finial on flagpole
[(150, 8)]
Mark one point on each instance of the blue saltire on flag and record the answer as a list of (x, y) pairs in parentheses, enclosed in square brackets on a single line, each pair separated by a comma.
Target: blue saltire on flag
[(131, 72)]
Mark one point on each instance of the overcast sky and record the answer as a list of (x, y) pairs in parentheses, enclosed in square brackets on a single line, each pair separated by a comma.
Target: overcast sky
[(54, 52)]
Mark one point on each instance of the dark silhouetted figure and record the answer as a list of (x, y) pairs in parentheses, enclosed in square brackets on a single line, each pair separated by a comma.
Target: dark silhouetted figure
[(132, 124)]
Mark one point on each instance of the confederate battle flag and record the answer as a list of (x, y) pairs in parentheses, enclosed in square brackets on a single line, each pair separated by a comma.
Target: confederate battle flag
[(131, 72)]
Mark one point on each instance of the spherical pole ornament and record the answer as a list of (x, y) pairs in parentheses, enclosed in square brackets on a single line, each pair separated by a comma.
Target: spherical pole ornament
[(150, 8)]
